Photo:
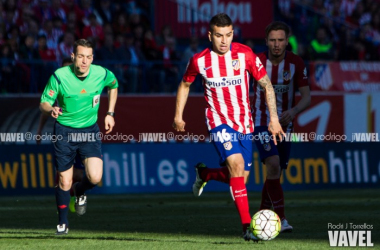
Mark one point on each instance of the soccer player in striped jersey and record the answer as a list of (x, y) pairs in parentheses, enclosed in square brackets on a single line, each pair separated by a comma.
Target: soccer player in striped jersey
[(226, 68), (288, 73)]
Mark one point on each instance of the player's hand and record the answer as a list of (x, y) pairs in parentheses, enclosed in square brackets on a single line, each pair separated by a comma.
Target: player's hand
[(286, 117), (109, 122), (56, 111), (275, 128), (179, 125)]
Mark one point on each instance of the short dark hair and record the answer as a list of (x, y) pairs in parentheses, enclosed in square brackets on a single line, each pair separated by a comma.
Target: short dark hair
[(84, 43), (66, 60), (220, 20), (277, 25)]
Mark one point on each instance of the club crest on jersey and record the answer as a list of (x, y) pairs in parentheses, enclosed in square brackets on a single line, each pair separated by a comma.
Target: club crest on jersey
[(267, 147), (227, 145), (259, 65), (286, 75), (236, 64)]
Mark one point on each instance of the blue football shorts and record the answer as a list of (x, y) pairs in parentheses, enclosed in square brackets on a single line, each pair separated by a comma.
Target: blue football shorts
[(66, 150), (228, 141), (266, 147)]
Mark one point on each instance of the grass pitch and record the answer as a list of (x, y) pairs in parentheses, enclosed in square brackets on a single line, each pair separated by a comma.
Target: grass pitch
[(180, 221)]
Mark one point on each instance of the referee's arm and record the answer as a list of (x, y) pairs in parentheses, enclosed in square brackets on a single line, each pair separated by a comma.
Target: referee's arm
[(112, 97), (109, 121), (47, 109)]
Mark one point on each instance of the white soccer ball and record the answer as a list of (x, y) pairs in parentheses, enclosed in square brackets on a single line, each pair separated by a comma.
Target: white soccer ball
[(265, 224)]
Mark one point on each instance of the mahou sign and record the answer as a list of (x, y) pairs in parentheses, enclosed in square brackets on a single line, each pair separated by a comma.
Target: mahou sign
[(191, 17)]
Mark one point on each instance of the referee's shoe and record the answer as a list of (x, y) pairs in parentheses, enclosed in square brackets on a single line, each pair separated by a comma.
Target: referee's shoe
[(62, 229), (80, 202)]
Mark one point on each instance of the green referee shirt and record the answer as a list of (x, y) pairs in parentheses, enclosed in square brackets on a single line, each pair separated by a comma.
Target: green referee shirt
[(78, 99)]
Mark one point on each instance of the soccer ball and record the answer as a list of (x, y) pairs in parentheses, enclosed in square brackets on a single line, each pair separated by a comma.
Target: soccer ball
[(265, 225)]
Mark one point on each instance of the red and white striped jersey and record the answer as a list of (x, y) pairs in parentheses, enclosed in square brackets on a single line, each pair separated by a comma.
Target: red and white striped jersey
[(226, 85), (286, 77)]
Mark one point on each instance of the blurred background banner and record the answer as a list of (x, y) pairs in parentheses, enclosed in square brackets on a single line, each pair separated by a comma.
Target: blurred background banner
[(191, 17), (169, 167), (331, 115), (345, 76)]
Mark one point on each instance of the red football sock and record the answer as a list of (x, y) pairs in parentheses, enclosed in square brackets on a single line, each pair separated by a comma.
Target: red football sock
[(266, 203), (216, 174), (276, 196), (239, 195)]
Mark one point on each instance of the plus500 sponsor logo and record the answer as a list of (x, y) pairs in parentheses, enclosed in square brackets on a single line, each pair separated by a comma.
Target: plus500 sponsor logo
[(225, 82)]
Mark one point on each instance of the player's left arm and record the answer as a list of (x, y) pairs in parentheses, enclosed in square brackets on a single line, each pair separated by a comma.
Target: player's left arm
[(274, 125), (288, 115), (110, 120)]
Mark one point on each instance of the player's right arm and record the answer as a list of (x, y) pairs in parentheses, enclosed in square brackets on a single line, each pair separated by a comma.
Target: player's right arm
[(182, 95), (48, 98)]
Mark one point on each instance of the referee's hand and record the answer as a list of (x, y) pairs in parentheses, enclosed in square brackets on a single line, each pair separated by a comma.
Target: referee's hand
[(56, 111), (109, 122)]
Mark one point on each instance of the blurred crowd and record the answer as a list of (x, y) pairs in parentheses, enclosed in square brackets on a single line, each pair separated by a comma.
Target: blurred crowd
[(36, 35), (333, 29)]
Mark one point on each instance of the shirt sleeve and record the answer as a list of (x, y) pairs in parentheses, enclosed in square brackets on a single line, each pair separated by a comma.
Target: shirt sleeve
[(110, 80), (255, 67), (51, 90), (191, 71), (301, 79)]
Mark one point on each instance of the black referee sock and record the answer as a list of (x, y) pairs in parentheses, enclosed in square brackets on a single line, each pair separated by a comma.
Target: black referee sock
[(83, 186), (63, 200)]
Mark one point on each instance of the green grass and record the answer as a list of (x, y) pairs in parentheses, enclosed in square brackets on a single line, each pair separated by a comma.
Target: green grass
[(180, 221)]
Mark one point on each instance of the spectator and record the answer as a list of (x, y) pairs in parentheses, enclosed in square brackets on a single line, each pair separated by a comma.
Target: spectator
[(58, 27), (107, 56), (347, 7), (138, 33), (87, 11), (52, 35), (8, 71), (133, 58), (70, 6), (57, 10), (72, 26), (65, 48), (121, 25), (43, 52), (165, 33), (171, 66), (2, 12), (27, 48), (42, 11), (94, 30), (33, 29), (192, 49), (104, 12), (149, 46), (321, 48)]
